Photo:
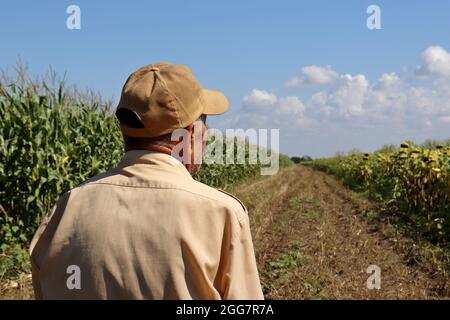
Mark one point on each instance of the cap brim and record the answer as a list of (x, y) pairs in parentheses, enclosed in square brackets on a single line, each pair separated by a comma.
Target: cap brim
[(215, 102)]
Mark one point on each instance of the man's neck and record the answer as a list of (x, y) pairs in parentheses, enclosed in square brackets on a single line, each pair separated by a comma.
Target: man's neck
[(192, 168), (154, 147)]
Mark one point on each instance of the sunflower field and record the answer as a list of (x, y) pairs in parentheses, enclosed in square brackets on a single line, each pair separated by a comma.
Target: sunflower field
[(413, 179)]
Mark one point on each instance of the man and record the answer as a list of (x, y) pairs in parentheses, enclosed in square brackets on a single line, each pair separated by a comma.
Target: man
[(147, 229)]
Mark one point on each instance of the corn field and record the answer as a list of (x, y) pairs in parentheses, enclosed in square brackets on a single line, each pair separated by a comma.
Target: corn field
[(412, 179), (53, 138)]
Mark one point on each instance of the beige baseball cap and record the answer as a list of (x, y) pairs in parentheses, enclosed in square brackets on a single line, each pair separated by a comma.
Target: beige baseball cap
[(166, 97)]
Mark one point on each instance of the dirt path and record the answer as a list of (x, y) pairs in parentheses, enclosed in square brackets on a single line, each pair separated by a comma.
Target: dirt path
[(314, 240)]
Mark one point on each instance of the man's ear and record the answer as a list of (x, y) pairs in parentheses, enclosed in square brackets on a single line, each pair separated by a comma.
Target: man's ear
[(190, 129)]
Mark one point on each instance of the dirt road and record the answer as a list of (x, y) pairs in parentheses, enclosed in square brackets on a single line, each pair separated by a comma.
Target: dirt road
[(314, 239)]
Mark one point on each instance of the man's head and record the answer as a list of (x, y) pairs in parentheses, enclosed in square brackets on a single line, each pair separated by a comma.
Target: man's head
[(160, 99)]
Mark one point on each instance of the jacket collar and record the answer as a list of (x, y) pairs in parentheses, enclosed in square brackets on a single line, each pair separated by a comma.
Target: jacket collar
[(158, 160)]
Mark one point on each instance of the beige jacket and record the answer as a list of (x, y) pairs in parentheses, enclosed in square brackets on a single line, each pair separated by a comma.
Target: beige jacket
[(145, 230)]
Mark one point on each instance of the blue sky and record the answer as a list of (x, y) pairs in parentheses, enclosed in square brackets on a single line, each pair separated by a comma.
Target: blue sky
[(250, 50)]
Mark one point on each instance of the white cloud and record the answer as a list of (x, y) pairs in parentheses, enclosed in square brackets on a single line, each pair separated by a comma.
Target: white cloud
[(387, 95), (346, 99), (263, 109), (445, 119), (354, 112), (291, 106), (388, 81), (314, 75), (390, 99), (435, 62), (260, 98)]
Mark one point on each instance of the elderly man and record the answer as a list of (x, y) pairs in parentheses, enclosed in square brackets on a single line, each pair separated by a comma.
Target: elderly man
[(147, 229)]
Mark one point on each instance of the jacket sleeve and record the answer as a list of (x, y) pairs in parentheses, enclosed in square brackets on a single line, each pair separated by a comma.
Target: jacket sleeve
[(240, 278), (42, 239)]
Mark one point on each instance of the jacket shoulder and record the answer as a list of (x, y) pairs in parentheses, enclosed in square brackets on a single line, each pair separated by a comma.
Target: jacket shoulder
[(235, 198), (223, 197)]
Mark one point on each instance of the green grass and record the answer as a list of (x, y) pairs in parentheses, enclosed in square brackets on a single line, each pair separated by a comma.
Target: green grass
[(280, 268), (13, 262)]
